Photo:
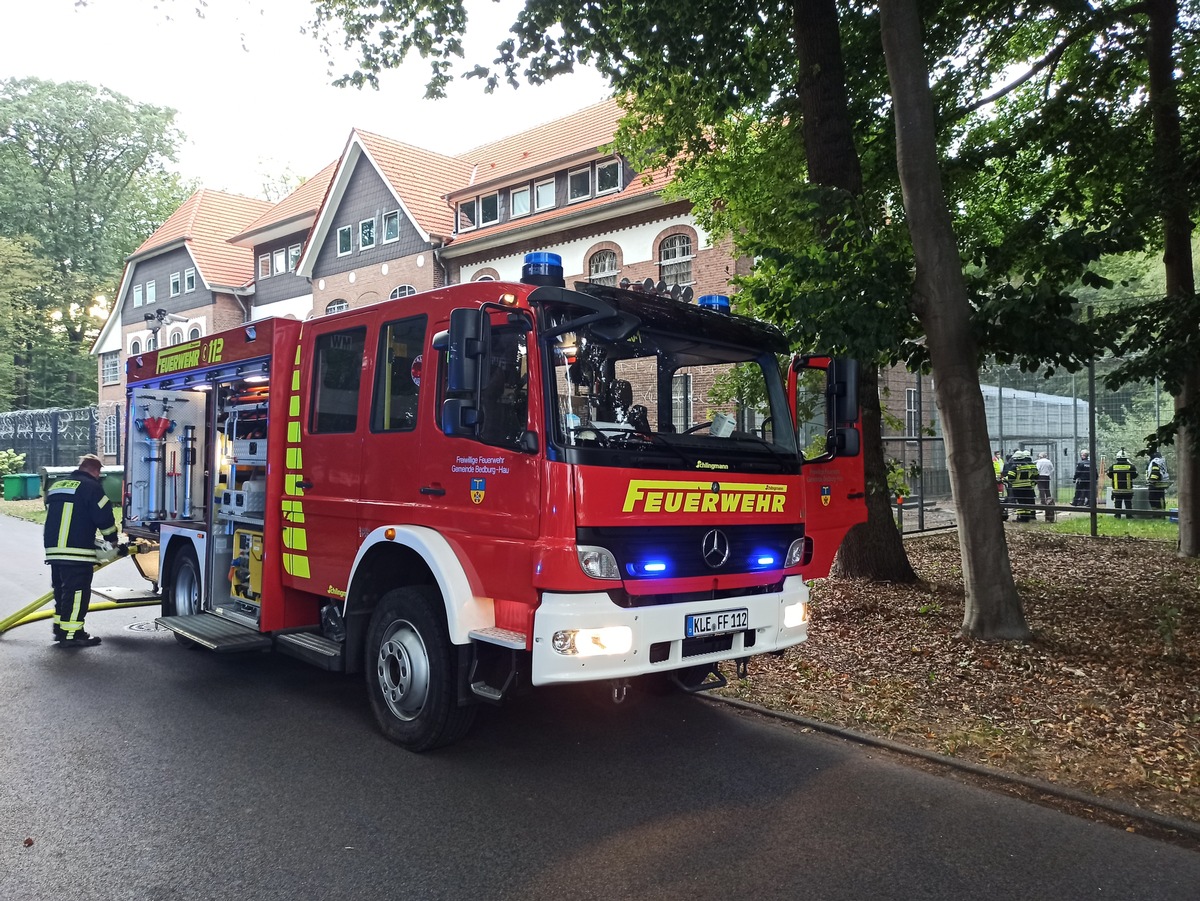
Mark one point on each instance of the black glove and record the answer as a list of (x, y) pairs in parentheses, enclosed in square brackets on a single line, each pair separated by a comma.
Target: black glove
[(123, 549)]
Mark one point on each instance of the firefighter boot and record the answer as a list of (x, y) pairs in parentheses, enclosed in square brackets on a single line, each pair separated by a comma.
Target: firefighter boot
[(80, 639)]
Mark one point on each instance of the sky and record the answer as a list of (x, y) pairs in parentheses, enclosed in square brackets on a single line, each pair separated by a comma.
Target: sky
[(253, 92)]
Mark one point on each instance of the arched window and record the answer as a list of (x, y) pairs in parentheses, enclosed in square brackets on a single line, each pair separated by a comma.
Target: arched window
[(151, 343), (176, 337), (401, 291), (485, 278), (135, 347), (675, 260), (337, 306), (602, 268), (194, 334)]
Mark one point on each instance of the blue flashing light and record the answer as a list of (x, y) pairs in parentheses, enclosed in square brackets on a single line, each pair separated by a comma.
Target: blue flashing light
[(647, 568), (765, 560), (542, 268), (655, 567), (717, 302)]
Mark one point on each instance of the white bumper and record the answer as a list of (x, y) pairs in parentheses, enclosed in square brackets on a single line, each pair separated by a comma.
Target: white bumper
[(661, 625)]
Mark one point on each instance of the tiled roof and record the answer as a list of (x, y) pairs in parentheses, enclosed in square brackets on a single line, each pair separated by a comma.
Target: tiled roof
[(306, 199), (207, 220), (581, 131), (419, 177)]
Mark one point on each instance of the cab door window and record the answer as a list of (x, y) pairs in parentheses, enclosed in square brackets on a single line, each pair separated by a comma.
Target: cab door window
[(337, 381), (398, 376)]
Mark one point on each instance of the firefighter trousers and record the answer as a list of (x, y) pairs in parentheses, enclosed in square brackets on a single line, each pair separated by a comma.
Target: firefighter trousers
[(72, 584)]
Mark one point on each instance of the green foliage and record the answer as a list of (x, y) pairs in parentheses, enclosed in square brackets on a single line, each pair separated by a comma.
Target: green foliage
[(82, 183), (11, 462)]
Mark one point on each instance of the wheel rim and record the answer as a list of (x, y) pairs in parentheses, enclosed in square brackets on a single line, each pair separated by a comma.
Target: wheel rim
[(187, 591), (402, 669)]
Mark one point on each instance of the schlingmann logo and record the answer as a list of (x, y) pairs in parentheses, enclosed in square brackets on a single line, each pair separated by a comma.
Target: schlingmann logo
[(646, 496)]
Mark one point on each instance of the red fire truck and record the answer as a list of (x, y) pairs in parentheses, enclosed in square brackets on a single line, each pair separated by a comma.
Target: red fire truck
[(492, 486)]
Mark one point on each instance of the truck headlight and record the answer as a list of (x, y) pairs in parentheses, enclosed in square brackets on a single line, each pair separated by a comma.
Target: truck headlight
[(795, 615), (598, 562), (593, 642)]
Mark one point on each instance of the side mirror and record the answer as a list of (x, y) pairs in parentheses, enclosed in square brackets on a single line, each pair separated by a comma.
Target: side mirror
[(465, 344), (843, 391)]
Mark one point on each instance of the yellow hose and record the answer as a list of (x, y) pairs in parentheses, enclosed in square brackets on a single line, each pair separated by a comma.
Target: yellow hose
[(31, 614)]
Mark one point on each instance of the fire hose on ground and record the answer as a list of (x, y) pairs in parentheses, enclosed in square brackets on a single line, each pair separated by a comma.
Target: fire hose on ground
[(33, 612)]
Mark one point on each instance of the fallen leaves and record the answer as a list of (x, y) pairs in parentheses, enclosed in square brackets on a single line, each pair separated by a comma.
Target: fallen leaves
[(1103, 698)]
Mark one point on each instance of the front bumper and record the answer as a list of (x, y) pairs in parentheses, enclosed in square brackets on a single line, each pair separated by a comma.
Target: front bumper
[(659, 642)]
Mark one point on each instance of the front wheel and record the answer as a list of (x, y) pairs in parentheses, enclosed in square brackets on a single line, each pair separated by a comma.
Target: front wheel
[(410, 671)]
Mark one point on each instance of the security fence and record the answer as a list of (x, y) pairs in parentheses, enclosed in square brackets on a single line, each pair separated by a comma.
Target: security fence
[(50, 437), (1056, 418)]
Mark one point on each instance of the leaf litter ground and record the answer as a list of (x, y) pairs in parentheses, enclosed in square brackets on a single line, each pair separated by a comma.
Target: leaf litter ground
[(1103, 699)]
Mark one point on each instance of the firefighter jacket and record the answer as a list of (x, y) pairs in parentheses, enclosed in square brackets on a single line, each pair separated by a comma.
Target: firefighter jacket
[(76, 507), (1021, 474), (1156, 472), (1122, 474)]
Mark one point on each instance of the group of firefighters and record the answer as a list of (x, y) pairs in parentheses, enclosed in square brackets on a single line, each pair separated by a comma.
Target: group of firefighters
[(1024, 483)]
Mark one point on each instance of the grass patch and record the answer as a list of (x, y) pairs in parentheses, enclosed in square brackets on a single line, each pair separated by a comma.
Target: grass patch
[(1110, 527), (30, 511)]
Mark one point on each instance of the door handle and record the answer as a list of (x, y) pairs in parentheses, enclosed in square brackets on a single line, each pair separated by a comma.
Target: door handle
[(304, 485), (436, 492)]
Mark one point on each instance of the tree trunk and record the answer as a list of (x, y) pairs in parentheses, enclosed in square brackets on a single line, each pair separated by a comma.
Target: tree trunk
[(993, 607), (1177, 252), (873, 549)]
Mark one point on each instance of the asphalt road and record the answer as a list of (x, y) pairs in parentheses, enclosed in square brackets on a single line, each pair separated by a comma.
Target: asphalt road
[(141, 770)]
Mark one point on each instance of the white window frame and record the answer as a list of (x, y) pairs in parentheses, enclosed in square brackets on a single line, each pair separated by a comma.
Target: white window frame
[(512, 202), (402, 291), (495, 195), (151, 292), (472, 221), (594, 274), (571, 173), (137, 295), (294, 252), (681, 400), (337, 306), (349, 233), (176, 337), (135, 347), (484, 278), (111, 430), (151, 343), (677, 259), (176, 290), (195, 333), (363, 225), (393, 216), (279, 261), (538, 206), (604, 166), (189, 281), (110, 367), (264, 265)]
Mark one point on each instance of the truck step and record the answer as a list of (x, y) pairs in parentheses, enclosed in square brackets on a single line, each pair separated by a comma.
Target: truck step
[(506, 638), (215, 632), (313, 648)]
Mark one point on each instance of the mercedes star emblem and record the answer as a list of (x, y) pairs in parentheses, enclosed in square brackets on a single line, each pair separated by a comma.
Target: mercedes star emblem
[(715, 549)]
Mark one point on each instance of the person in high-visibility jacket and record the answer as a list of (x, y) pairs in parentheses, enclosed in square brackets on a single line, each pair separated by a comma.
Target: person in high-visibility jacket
[(1156, 479), (1122, 474), (1021, 475), (76, 507)]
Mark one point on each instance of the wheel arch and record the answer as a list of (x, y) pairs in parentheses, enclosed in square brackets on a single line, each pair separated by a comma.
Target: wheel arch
[(413, 556), (172, 545)]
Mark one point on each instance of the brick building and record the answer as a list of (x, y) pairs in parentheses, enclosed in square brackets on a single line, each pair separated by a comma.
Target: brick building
[(388, 219)]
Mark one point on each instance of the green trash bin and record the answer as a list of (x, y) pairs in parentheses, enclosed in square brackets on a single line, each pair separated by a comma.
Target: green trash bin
[(13, 486), (112, 478), (31, 486)]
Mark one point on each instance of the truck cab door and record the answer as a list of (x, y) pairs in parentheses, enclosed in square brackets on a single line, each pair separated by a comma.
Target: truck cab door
[(823, 393), (327, 419)]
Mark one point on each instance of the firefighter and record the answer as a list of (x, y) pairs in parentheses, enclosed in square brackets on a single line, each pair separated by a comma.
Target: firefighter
[(1122, 473), (76, 507), (1021, 474), (1083, 481), (1001, 487), (1156, 478)]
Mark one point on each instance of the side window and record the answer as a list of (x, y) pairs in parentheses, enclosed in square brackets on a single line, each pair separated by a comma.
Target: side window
[(337, 369), (504, 401), (398, 376)]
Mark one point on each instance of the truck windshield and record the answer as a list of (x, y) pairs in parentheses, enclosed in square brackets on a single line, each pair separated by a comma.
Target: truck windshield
[(676, 388)]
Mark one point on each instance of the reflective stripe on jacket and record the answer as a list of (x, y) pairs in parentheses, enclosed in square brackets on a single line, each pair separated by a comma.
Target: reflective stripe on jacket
[(1122, 475), (75, 508)]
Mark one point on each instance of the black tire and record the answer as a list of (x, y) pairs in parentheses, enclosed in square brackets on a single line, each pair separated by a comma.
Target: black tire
[(183, 590), (410, 671)]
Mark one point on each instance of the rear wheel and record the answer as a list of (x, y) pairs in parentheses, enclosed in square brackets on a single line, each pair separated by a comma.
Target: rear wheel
[(184, 590), (410, 671)]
